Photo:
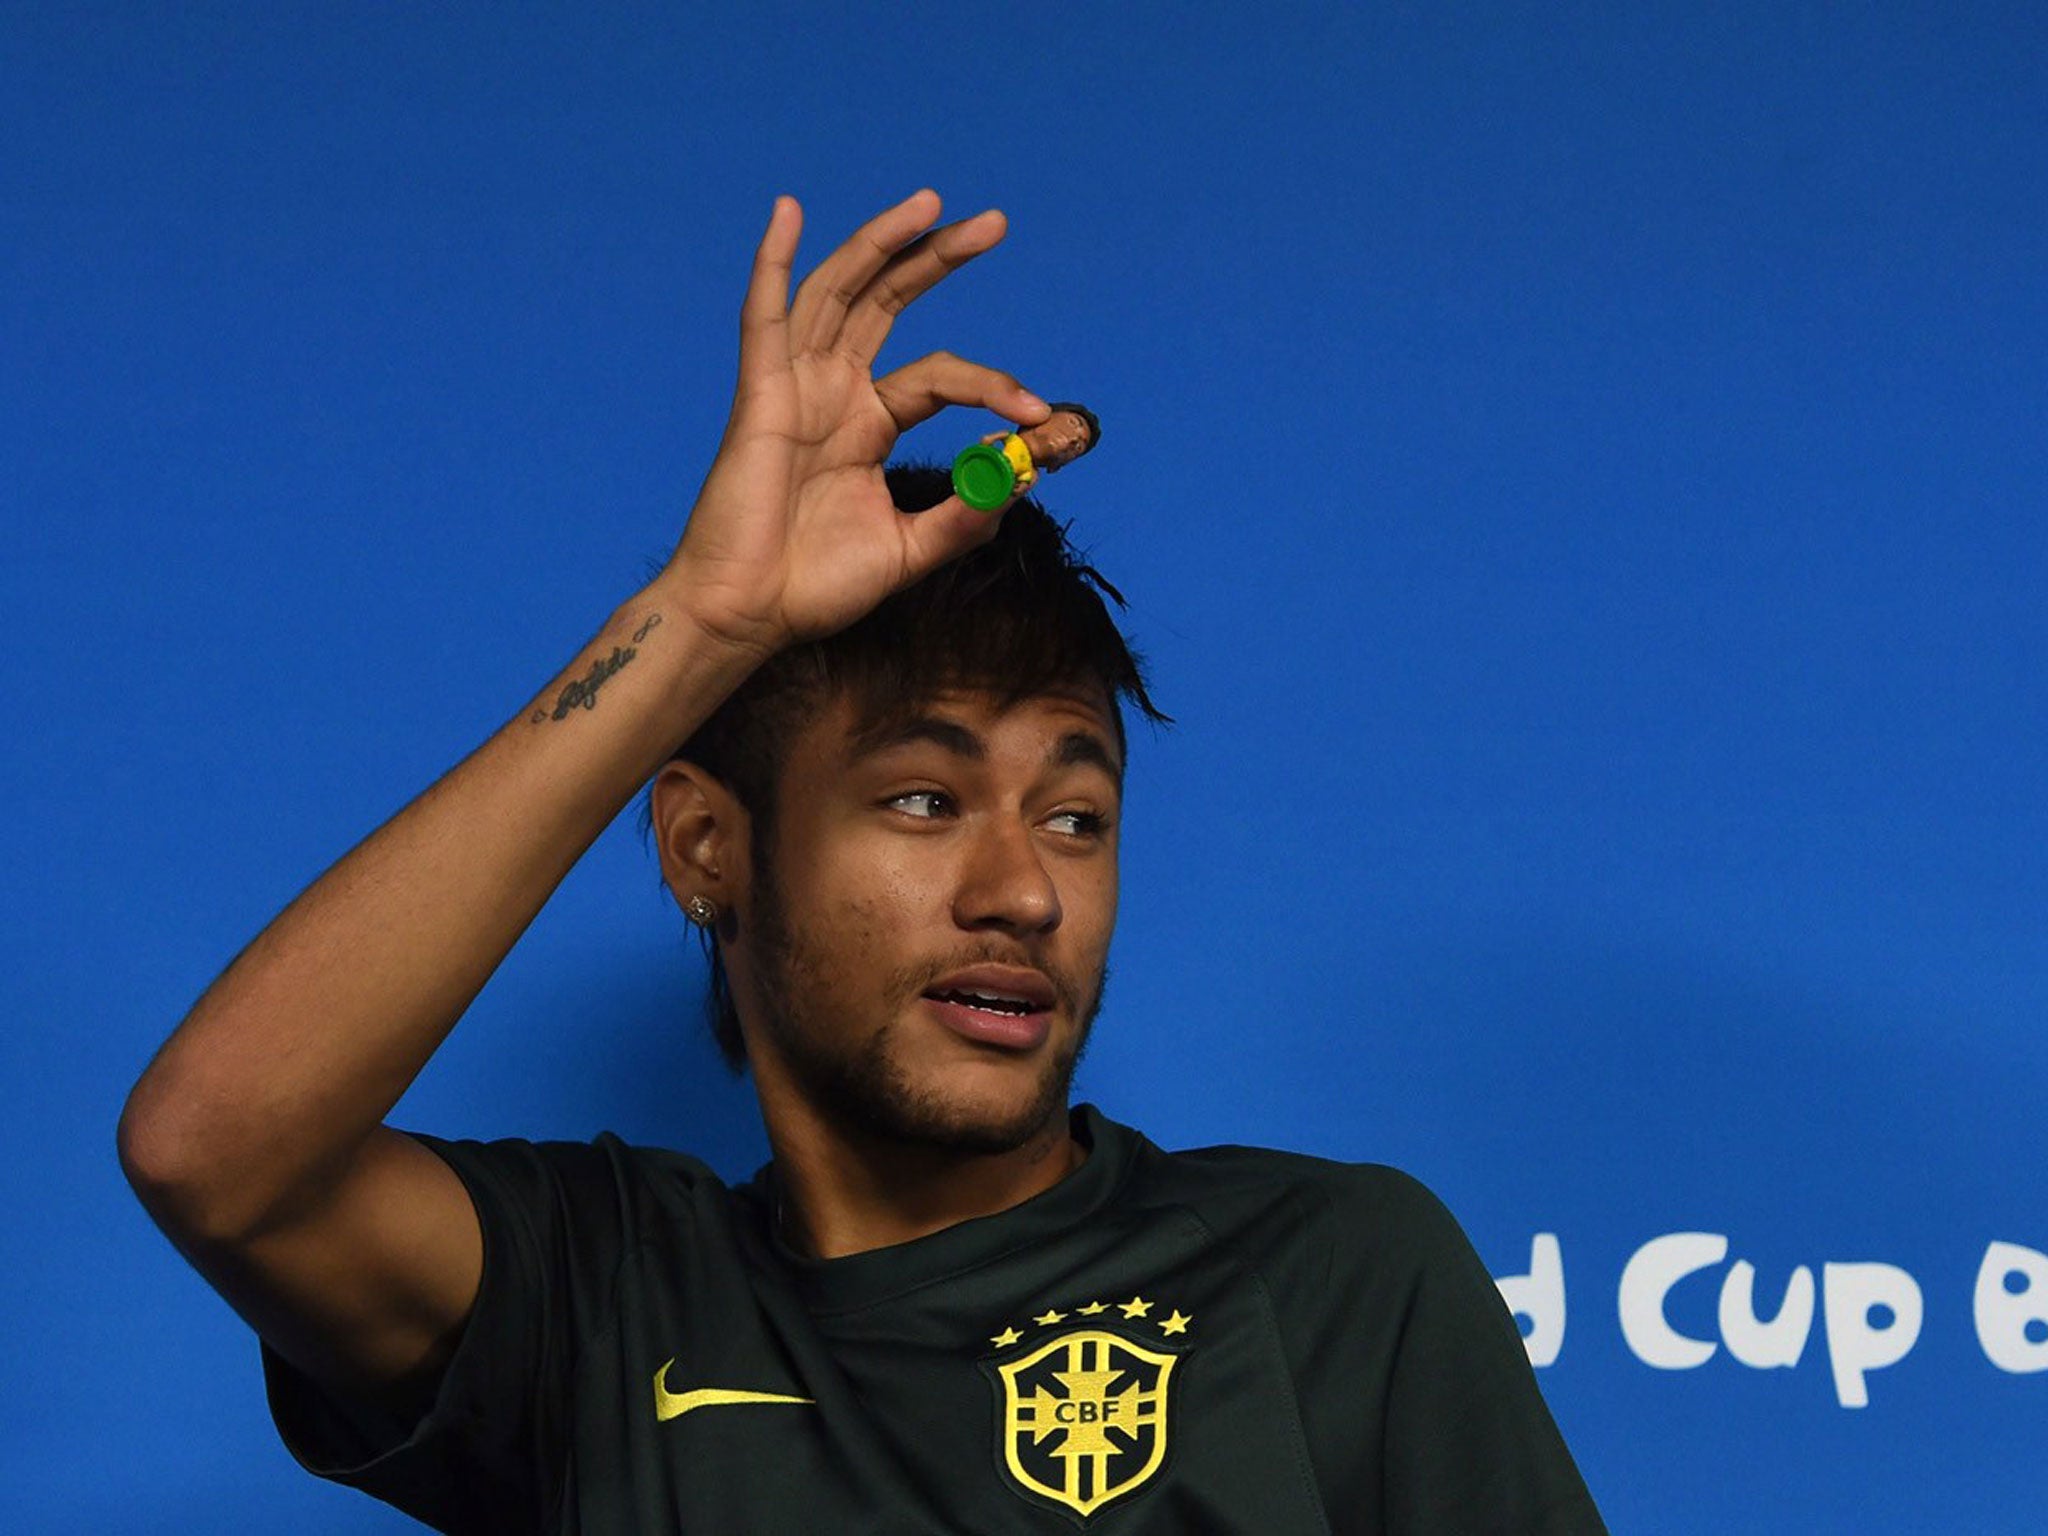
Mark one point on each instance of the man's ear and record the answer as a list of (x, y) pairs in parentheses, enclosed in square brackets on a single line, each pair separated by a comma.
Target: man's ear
[(703, 835)]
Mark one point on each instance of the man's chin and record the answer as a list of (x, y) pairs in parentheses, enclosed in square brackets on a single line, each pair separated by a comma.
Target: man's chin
[(963, 1112)]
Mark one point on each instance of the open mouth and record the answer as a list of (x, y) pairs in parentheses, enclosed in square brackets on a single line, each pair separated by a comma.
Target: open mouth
[(1006, 1006), (988, 1002)]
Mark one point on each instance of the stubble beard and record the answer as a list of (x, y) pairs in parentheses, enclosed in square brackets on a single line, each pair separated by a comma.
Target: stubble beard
[(867, 1089)]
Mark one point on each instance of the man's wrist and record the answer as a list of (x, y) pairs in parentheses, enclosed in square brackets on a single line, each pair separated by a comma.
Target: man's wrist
[(698, 666), (718, 636)]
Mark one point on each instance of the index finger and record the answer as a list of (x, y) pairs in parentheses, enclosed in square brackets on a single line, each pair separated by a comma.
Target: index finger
[(919, 391)]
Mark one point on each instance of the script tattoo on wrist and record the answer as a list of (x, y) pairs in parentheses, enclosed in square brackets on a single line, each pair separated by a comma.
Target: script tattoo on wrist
[(581, 693)]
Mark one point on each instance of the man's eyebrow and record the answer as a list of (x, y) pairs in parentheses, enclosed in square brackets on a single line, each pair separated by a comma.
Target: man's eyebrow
[(949, 734), (1077, 748), (1072, 750)]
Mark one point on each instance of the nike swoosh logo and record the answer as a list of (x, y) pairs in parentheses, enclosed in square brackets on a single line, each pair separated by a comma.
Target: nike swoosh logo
[(670, 1405)]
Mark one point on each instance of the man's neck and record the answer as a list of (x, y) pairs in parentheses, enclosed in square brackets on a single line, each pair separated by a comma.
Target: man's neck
[(841, 1193)]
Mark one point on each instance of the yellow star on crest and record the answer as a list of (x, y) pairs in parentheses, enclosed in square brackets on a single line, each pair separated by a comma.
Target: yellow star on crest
[(1006, 1338), (1175, 1323), (1048, 1318), (1137, 1306), (1094, 1307)]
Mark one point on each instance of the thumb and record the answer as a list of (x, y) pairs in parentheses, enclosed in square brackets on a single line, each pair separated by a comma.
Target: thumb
[(946, 531)]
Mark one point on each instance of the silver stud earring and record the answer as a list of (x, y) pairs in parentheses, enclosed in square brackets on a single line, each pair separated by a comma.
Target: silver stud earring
[(700, 911)]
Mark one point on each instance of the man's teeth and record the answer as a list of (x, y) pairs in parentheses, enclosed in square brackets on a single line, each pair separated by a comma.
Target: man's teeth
[(988, 1002)]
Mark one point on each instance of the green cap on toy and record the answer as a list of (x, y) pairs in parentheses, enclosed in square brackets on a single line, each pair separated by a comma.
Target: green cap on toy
[(983, 478)]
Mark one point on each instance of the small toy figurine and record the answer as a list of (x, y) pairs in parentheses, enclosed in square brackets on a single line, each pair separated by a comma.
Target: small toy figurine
[(1002, 464)]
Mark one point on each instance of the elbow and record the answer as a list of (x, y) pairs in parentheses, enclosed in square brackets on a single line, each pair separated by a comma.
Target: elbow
[(215, 1165), (184, 1183), (155, 1154)]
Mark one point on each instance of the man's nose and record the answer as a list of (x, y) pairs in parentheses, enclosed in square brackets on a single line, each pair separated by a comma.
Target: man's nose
[(1005, 882)]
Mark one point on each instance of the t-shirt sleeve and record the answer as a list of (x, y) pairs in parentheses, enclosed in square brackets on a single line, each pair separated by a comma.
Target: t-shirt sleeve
[(1470, 1445), (489, 1453)]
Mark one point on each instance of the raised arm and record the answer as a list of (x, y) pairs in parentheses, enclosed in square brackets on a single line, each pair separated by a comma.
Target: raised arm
[(256, 1137)]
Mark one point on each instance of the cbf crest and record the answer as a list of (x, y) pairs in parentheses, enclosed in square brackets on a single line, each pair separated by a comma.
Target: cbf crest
[(1084, 1417)]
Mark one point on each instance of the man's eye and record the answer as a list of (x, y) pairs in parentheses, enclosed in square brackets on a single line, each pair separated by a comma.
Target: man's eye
[(1076, 823), (926, 803)]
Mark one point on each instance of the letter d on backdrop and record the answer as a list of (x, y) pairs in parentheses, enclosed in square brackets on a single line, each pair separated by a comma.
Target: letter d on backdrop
[(1539, 1297)]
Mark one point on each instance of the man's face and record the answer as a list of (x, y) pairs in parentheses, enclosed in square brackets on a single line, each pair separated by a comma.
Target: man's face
[(926, 940)]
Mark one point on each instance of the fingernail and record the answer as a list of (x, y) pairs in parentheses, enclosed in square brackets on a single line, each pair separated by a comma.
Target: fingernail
[(1032, 402)]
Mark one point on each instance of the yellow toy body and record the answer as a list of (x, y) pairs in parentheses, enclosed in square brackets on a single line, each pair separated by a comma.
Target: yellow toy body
[(1020, 459)]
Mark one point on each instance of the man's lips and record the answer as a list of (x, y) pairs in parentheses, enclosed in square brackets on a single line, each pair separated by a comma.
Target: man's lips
[(1002, 1005)]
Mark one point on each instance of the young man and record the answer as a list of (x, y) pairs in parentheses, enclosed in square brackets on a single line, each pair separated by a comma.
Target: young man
[(887, 754)]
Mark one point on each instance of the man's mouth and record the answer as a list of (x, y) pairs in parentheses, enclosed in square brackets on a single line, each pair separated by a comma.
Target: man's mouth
[(1005, 1006)]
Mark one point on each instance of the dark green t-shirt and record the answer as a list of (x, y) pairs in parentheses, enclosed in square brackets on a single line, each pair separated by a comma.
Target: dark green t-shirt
[(1229, 1340)]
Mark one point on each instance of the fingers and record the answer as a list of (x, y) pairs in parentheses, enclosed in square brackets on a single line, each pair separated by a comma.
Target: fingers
[(764, 314), (919, 391), (841, 278), (920, 265)]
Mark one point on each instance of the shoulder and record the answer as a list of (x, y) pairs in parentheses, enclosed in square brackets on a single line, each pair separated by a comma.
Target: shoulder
[(1272, 1167), (1370, 1194), (1314, 1219)]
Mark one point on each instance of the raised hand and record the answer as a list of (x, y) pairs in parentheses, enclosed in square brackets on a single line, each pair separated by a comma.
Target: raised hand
[(794, 535)]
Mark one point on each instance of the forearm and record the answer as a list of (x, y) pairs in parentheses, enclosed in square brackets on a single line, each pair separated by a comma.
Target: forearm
[(298, 1051)]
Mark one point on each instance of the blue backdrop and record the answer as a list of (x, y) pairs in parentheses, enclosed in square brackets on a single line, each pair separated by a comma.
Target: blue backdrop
[(1577, 471)]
